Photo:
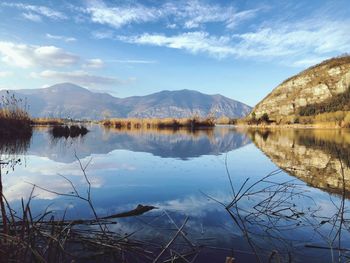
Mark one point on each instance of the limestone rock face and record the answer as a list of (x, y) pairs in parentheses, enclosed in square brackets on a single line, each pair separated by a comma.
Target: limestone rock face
[(311, 86)]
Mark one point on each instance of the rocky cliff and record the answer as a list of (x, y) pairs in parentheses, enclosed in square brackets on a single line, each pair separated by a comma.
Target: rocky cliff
[(312, 86)]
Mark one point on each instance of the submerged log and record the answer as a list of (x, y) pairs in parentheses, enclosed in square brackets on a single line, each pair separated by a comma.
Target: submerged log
[(139, 210)]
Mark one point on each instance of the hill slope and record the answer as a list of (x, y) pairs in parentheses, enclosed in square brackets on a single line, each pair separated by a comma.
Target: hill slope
[(69, 100), (183, 103), (318, 86)]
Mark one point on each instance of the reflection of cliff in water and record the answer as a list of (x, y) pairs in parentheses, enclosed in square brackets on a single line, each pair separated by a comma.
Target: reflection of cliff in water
[(314, 156), (181, 144)]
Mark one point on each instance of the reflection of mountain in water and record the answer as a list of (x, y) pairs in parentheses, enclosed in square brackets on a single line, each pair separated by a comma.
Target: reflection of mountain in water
[(314, 156), (164, 143)]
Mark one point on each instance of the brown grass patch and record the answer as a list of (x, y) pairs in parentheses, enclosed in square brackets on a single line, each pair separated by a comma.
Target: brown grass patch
[(172, 123), (47, 121), (14, 118)]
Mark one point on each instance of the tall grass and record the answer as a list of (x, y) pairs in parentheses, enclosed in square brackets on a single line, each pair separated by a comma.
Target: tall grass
[(14, 117), (45, 237), (224, 120), (47, 121), (340, 119), (172, 123)]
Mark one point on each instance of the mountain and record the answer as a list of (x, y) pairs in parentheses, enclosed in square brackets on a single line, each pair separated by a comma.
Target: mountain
[(69, 100), (183, 103), (321, 88)]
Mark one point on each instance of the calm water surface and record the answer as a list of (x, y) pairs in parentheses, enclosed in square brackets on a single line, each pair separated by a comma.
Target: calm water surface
[(301, 210)]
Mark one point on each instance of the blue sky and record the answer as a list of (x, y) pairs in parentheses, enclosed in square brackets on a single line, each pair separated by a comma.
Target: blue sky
[(239, 48)]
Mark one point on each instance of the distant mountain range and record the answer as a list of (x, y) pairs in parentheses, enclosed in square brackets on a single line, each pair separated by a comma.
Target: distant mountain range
[(72, 101)]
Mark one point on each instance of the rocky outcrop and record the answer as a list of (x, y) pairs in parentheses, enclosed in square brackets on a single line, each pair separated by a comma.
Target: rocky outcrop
[(312, 86), (317, 159)]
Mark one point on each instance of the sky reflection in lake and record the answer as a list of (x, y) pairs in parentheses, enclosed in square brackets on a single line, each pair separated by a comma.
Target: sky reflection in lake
[(185, 174)]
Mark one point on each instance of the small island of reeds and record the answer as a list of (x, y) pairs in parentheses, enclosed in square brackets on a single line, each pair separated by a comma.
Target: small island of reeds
[(66, 131)]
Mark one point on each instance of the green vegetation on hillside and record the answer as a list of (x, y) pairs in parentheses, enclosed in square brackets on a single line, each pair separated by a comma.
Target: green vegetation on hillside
[(339, 102)]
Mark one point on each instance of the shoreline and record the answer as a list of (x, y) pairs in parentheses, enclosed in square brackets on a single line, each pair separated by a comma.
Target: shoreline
[(171, 123), (292, 126)]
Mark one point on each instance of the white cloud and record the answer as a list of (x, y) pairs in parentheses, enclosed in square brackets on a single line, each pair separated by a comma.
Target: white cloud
[(133, 61), (103, 34), (297, 39), (300, 44), (123, 15), (63, 38), (171, 26), (233, 20), (81, 78), (94, 63), (194, 42), (39, 10), (190, 14), (32, 17), (192, 205), (4, 74), (193, 14), (25, 56), (20, 186)]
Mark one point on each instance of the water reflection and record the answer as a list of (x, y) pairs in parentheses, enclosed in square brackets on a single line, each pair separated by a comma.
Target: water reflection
[(182, 144), (284, 221), (184, 174), (12, 150), (318, 157)]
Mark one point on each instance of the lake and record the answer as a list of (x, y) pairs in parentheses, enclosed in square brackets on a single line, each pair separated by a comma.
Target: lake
[(253, 195)]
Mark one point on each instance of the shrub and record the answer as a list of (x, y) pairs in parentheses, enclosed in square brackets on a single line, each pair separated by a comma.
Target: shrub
[(253, 116), (265, 118), (339, 102)]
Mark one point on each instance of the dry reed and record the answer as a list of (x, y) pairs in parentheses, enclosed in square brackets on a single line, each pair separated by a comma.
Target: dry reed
[(172, 123)]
